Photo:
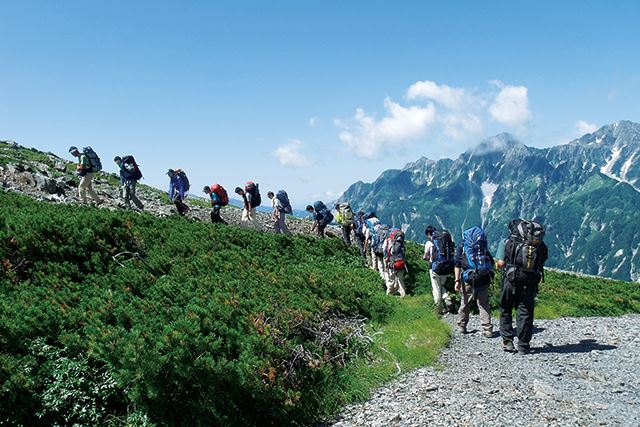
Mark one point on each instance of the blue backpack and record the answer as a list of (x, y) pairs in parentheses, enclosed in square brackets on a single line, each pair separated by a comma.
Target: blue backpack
[(444, 250), (476, 260), (324, 216), (358, 224), (379, 235), (284, 201)]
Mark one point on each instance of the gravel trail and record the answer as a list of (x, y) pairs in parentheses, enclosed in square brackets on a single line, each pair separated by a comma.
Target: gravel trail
[(583, 371)]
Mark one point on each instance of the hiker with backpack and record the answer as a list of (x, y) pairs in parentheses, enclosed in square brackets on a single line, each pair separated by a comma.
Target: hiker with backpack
[(378, 234), (439, 252), (473, 274), (523, 259), (322, 217), (88, 164), (219, 198), (178, 188), (395, 262), (129, 176), (358, 232), (281, 206), (370, 224), (252, 199), (344, 217)]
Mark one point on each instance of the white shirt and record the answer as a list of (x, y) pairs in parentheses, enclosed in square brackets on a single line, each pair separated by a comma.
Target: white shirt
[(429, 252)]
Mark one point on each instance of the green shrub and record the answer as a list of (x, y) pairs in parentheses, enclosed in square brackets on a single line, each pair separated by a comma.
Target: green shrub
[(144, 320)]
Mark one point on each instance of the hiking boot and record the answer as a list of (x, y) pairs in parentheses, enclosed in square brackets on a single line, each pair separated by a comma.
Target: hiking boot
[(488, 334), (524, 350), (507, 345)]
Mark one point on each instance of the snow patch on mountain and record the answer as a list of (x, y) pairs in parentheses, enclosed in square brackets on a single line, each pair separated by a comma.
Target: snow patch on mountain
[(607, 169), (488, 189)]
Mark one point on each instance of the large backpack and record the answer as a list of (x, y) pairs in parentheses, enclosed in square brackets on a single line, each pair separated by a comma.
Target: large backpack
[(323, 214), (444, 251), (396, 253), (185, 180), (381, 232), (222, 194), (95, 165), (346, 213), (358, 222), (478, 268), (252, 188), (284, 201), (131, 165), (526, 252)]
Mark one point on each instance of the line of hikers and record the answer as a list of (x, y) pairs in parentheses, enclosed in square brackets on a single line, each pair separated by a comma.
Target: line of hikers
[(89, 163), (521, 256)]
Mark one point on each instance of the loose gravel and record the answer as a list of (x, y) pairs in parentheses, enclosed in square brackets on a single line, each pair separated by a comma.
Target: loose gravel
[(582, 371)]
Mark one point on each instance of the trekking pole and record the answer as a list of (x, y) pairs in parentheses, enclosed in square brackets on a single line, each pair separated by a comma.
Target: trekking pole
[(138, 256)]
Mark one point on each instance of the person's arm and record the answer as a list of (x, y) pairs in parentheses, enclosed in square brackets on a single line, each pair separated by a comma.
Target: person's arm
[(457, 271)]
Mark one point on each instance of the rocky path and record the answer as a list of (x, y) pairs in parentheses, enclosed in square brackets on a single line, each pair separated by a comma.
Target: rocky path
[(583, 371)]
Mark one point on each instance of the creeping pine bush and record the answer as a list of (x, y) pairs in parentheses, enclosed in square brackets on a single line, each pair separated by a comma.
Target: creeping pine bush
[(114, 317)]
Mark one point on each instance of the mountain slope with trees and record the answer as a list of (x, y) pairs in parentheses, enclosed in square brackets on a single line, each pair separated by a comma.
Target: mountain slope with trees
[(587, 191)]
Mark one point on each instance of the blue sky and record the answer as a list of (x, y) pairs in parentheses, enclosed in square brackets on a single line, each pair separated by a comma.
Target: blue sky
[(309, 96)]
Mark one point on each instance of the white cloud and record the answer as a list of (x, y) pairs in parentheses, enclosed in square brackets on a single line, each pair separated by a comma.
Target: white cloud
[(313, 121), (289, 154), (460, 125), (511, 106), (369, 138), (583, 127), (450, 97)]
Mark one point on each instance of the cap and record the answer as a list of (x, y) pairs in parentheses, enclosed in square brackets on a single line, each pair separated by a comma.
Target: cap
[(72, 149), (206, 189), (170, 172), (117, 158)]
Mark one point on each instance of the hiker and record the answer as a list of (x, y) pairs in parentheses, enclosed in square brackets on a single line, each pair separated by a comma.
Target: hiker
[(344, 218), (178, 188), (251, 200), (370, 223), (218, 198), (522, 256), (281, 207), (393, 249), (358, 232), (439, 252), (474, 273), (378, 236), (129, 176), (88, 164), (322, 217)]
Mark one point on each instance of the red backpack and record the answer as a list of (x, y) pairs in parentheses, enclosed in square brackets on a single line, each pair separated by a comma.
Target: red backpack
[(222, 194)]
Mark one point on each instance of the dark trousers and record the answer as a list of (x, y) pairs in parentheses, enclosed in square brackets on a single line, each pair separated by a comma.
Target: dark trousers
[(346, 234), (320, 230), (180, 205), (359, 238), (215, 216), (522, 298)]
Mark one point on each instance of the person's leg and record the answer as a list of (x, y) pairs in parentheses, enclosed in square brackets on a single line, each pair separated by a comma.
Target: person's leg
[(133, 196), (283, 224), (399, 277), (89, 188), (436, 291), (524, 316), (380, 264), (82, 188), (360, 242), (506, 308), (390, 283), (126, 195), (245, 215), (463, 312), (482, 299), (254, 219), (321, 228)]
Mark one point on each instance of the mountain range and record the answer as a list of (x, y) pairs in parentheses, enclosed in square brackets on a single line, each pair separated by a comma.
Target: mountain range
[(587, 193)]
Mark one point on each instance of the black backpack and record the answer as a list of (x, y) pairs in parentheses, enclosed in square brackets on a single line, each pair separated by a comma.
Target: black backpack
[(444, 249), (525, 252), (254, 192), (130, 161)]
